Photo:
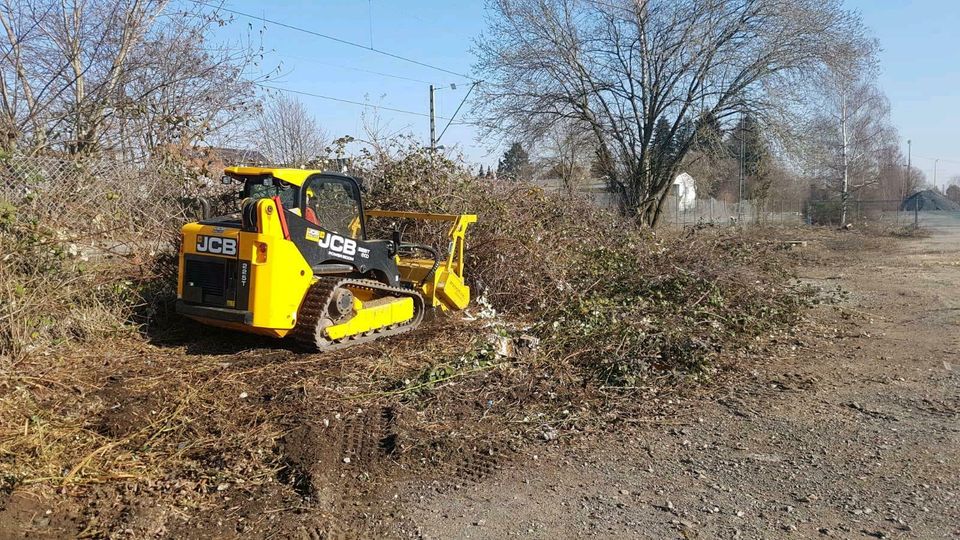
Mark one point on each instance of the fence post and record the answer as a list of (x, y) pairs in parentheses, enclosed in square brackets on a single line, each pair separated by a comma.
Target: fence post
[(916, 212)]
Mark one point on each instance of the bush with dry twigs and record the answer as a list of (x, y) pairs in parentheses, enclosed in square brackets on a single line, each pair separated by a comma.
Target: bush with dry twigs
[(622, 301), (80, 244)]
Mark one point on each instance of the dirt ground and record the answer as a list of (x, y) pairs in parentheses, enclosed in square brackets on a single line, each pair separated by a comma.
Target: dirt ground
[(852, 432), (848, 428)]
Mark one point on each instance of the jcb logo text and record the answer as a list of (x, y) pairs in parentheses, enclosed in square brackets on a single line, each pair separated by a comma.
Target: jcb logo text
[(339, 244), (217, 245)]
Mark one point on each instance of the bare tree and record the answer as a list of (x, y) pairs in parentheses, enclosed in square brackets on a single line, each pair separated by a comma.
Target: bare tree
[(851, 138), (26, 76), (860, 113), (892, 179), (182, 89), (620, 67), (567, 153), (288, 134), (86, 76), (953, 189)]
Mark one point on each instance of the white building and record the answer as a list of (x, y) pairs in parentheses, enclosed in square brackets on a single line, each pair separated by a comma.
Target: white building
[(684, 188)]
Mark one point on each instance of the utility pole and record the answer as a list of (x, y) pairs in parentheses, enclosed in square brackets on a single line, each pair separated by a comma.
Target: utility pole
[(370, 19), (433, 122), (916, 201), (935, 161)]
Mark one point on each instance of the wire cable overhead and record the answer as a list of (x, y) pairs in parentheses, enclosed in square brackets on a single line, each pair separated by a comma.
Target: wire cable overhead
[(348, 101), (333, 38)]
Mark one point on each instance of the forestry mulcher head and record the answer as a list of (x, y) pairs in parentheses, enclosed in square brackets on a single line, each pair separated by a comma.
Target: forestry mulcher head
[(296, 262)]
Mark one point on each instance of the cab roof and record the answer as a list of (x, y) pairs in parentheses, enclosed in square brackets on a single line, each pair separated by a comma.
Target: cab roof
[(293, 176)]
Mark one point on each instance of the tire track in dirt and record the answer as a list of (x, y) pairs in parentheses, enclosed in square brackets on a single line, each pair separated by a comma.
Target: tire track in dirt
[(337, 468)]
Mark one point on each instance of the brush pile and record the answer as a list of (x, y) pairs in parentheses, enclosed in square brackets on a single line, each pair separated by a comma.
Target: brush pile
[(622, 301)]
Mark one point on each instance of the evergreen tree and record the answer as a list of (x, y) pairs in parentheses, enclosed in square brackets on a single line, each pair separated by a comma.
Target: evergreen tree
[(746, 142), (515, 163), (709, 136), (664, 144)]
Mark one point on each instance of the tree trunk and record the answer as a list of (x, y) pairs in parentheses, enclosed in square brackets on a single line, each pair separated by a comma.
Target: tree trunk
[(844, 190), (645, 205)]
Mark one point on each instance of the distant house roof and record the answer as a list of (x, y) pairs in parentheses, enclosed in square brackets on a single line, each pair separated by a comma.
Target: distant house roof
[(236, 156), (929, 200), (683, 178)]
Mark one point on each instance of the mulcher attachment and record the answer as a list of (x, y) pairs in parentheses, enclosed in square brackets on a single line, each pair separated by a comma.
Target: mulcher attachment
[(341, 312)]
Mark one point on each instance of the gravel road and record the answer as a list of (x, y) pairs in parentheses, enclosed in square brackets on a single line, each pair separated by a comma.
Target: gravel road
[(853, 431)]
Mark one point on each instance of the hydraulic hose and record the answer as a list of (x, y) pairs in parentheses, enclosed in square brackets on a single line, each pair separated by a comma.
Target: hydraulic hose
[(433, 254)]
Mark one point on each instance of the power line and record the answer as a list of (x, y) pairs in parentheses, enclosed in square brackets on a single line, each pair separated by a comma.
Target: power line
[(352, 68), (328, 64), (954, 161), (332, 38), (341, 100)]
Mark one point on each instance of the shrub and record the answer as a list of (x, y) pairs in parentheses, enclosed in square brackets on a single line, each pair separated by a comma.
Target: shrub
[(89, 249), (620, 300), (80, 243)]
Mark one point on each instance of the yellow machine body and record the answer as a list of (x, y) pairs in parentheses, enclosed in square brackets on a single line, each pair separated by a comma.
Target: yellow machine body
[(446, 288), (278, 275), (271, 276), (371, 315)]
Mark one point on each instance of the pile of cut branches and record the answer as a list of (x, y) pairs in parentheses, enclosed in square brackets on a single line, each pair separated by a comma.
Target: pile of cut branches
[(622, 300)]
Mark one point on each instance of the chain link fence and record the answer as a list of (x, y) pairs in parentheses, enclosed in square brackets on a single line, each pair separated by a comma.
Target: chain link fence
[(679, 212), (888, 213), (893, 213), (103, 203), (85, 246)]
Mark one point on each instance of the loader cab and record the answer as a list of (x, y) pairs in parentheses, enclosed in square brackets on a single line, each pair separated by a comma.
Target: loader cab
[(333, 202), (328, 200)]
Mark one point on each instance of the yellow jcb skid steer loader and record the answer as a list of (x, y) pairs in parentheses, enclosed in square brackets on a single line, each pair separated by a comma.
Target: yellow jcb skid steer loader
[(296, 262)]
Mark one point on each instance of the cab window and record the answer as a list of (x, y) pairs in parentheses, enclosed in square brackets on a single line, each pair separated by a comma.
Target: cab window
[(334, 204), (269, 187)]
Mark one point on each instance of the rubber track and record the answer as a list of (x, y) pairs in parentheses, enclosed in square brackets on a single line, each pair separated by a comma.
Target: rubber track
[(316, 306)]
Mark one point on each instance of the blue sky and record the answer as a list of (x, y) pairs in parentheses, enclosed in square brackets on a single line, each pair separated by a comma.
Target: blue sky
[(920, 66), (433, 32), (920, 72)]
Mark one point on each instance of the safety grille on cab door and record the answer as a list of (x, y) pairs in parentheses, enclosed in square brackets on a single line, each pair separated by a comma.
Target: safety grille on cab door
[(211, 277)]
